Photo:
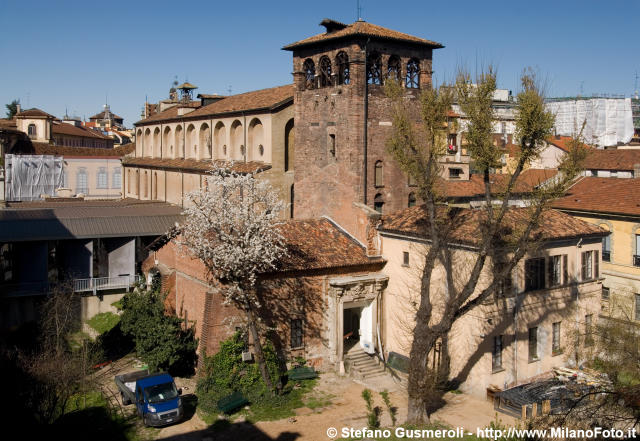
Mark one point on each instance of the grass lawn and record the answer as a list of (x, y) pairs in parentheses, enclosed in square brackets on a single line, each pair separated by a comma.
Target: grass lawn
[(104, 321)]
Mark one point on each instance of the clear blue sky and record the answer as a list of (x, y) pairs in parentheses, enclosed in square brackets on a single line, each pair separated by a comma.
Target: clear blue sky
[(71, 54)]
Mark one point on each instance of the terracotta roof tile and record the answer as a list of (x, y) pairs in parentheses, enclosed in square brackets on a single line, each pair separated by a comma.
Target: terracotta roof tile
[(619, 160), (69, 129), (604, 195), (363, 29), (527, 181), (466, 222), (6, 123), (30, 113), (101, 116), (194, 164), (168, 114), (562, 142), (255, 100), (41, 148), (320, 244)]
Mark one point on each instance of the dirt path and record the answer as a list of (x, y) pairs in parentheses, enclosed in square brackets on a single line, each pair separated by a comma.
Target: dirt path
[(347, 409)]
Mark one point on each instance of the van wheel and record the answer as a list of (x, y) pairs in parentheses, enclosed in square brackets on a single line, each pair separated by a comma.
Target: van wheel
[(145, 420)]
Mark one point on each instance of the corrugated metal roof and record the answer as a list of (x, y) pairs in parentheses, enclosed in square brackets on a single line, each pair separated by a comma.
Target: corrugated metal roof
[(86, 219)]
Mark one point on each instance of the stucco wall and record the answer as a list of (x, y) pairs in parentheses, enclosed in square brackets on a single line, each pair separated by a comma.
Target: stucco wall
[(471, 338)]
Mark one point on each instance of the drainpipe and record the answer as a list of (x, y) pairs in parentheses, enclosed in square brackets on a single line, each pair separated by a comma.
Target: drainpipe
[(366, 119), (161, 138), (515, 330)]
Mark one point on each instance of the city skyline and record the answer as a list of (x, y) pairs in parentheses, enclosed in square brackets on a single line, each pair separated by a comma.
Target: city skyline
[(76, 57)]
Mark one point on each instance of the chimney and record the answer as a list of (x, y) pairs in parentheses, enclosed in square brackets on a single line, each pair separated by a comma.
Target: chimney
[(18, 108), (636, 170)]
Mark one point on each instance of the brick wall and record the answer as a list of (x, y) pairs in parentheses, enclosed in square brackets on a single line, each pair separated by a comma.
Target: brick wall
[(326, 184)]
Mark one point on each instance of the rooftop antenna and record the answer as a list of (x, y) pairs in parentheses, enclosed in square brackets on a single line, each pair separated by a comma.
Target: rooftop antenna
[(581, 88), (229, 89), (636, 86), (359, 10)]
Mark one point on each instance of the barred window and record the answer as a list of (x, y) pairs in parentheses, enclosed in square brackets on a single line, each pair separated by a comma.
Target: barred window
[(555, 346), (393, 68), (413, 74), (533, 344), (325, 72), (374, 69), (296, 333), (342, 63), (496, 358), (309, 69)]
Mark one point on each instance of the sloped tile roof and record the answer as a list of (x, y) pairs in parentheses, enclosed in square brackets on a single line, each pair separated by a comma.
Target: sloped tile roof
[(101, 116), (619, 159), (466, 223), (562, 142), (31, 113), (194, 164), (251, 101), (68, 129), (41, 148), (360, 29), (168, 114), (320, 244), (527, 181), (603, 195)]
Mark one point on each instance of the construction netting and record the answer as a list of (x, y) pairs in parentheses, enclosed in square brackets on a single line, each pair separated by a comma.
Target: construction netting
[(608, 120), (29, 177)]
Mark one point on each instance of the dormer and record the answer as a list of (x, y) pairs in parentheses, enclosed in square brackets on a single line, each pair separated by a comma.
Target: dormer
[(35, 123)]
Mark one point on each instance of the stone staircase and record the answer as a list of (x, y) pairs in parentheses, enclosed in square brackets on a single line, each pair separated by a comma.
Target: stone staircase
[(362, 366)]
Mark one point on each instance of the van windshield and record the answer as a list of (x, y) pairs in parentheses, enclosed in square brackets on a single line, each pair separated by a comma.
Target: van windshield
[(161, 392)]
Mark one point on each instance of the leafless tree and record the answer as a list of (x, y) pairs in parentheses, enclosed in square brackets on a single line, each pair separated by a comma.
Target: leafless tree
[(419, 149)]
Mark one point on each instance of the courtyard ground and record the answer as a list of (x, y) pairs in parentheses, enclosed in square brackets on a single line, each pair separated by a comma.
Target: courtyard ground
[(343, 407)]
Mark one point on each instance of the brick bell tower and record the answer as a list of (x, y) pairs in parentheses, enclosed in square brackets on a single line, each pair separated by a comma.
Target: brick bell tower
[(343, 119)]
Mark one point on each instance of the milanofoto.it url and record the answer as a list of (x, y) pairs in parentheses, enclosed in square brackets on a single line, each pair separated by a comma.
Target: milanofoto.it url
[(486, 433)]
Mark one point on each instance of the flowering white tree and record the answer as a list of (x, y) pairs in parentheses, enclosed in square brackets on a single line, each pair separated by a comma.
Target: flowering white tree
[(231, 226)]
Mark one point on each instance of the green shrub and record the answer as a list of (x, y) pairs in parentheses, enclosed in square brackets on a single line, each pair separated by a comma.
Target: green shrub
[(160, 340), (225, 372), (373, 413)]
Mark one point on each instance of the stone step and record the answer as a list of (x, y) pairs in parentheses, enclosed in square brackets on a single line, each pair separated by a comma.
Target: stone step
[(367, 367), (357, 357)]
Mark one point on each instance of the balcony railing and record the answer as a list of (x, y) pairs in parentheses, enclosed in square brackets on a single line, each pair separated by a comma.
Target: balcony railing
[(95, 284), (636, 260)]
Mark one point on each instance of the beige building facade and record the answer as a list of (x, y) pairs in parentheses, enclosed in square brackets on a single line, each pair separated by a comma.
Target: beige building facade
[(176, 147), (612, 204), (525, 332)]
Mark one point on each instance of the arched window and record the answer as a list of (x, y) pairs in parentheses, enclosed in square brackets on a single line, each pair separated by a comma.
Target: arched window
[(342, 63), (378, 203), (129, 179), (325, 72), (374, 68), (378, 182), (413, 74), (102, 181), (309, 69), (261, 150), (116, 180), (412, 200), (393, 67), (31, 130), (288, 146), (145, 184), (82, 183)]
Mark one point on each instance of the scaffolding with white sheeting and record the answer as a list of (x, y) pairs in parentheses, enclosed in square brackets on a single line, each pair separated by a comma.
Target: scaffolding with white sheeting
[(609, 121), (29, 177)]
